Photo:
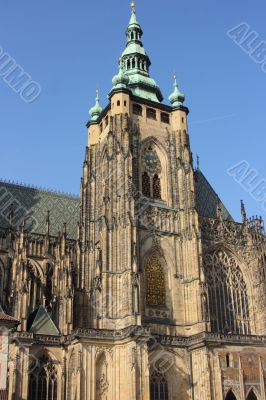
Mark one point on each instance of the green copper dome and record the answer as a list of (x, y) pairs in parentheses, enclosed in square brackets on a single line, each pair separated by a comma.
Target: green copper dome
[(97, 109), (120, 80), (176, 98)]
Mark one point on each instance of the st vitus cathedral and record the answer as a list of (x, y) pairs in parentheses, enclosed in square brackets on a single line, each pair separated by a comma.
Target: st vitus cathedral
[(142, 288)]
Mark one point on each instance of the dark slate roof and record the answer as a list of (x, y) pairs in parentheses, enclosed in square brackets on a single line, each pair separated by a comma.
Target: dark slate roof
[(33, 204), (207, 198), (40, 322)]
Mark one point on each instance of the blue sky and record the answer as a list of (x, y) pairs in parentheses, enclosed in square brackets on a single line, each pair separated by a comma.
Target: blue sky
[(70, 47)]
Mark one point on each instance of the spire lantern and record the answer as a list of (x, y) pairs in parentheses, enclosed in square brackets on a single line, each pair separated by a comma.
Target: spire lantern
[(176, 98), (135, 64), (97, 109)]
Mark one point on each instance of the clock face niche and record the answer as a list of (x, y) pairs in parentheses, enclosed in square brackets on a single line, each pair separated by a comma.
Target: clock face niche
[(151, 162)]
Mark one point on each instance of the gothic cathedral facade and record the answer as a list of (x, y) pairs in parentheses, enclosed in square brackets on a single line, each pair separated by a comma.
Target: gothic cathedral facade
[(150, 291)]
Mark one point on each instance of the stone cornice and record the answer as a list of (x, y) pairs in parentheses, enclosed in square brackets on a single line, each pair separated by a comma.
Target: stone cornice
[(203, 339)]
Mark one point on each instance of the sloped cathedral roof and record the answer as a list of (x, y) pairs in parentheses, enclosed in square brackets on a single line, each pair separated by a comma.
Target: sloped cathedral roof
[(34, 204)]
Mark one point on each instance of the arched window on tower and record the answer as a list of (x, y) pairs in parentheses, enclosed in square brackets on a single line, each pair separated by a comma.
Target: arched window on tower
[(227, 292), (155, 282), (158, 386), (43, 380), (151, 182)]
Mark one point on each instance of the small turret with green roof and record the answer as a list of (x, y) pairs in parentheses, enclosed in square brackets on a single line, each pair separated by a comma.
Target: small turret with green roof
[(95, 111), (120, 81), (176, 98)]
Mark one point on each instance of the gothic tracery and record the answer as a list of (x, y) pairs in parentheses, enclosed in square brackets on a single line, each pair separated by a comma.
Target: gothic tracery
[(227, 290), (155, 282), (43, 380)]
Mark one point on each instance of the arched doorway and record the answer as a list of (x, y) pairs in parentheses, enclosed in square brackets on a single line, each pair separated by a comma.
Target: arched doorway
[(230, 396), (252, 396)]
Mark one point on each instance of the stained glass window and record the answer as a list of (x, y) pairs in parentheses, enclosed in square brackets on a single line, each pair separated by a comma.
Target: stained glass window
[(155, 283)]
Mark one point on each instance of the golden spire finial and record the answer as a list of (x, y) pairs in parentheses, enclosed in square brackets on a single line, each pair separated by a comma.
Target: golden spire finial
[(174, 76), (133, 5)]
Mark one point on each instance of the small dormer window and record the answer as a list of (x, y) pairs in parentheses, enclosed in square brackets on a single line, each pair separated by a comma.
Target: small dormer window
[(151, 113), (137, 109), (165, 118)]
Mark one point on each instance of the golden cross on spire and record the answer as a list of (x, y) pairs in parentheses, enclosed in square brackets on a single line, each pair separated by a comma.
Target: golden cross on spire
[(133, 5)]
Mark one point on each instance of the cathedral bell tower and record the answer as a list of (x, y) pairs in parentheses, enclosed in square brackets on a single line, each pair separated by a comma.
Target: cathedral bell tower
[(139, 245)]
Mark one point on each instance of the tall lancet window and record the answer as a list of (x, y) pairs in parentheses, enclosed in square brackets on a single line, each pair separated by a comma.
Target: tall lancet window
[(158, 386), (227, 291), (151, 182), (155, 282), (43, 380)]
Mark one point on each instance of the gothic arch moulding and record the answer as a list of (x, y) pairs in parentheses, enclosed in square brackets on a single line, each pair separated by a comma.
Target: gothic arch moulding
[(253, 394), (102, 375), (230, 308), (154, 170), (44, 377), (156, 287), (230, 396), (166, 371)]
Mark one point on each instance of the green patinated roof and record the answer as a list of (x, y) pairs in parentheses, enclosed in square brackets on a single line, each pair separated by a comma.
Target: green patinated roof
[(133, 48), (33, 204), (207, 198), (135, 64), (40, 323)]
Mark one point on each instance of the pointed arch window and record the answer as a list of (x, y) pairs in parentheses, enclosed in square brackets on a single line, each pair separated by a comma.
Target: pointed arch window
[(155, 282), (227, 292), (151, 182), (43, 380), (158, 386)]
